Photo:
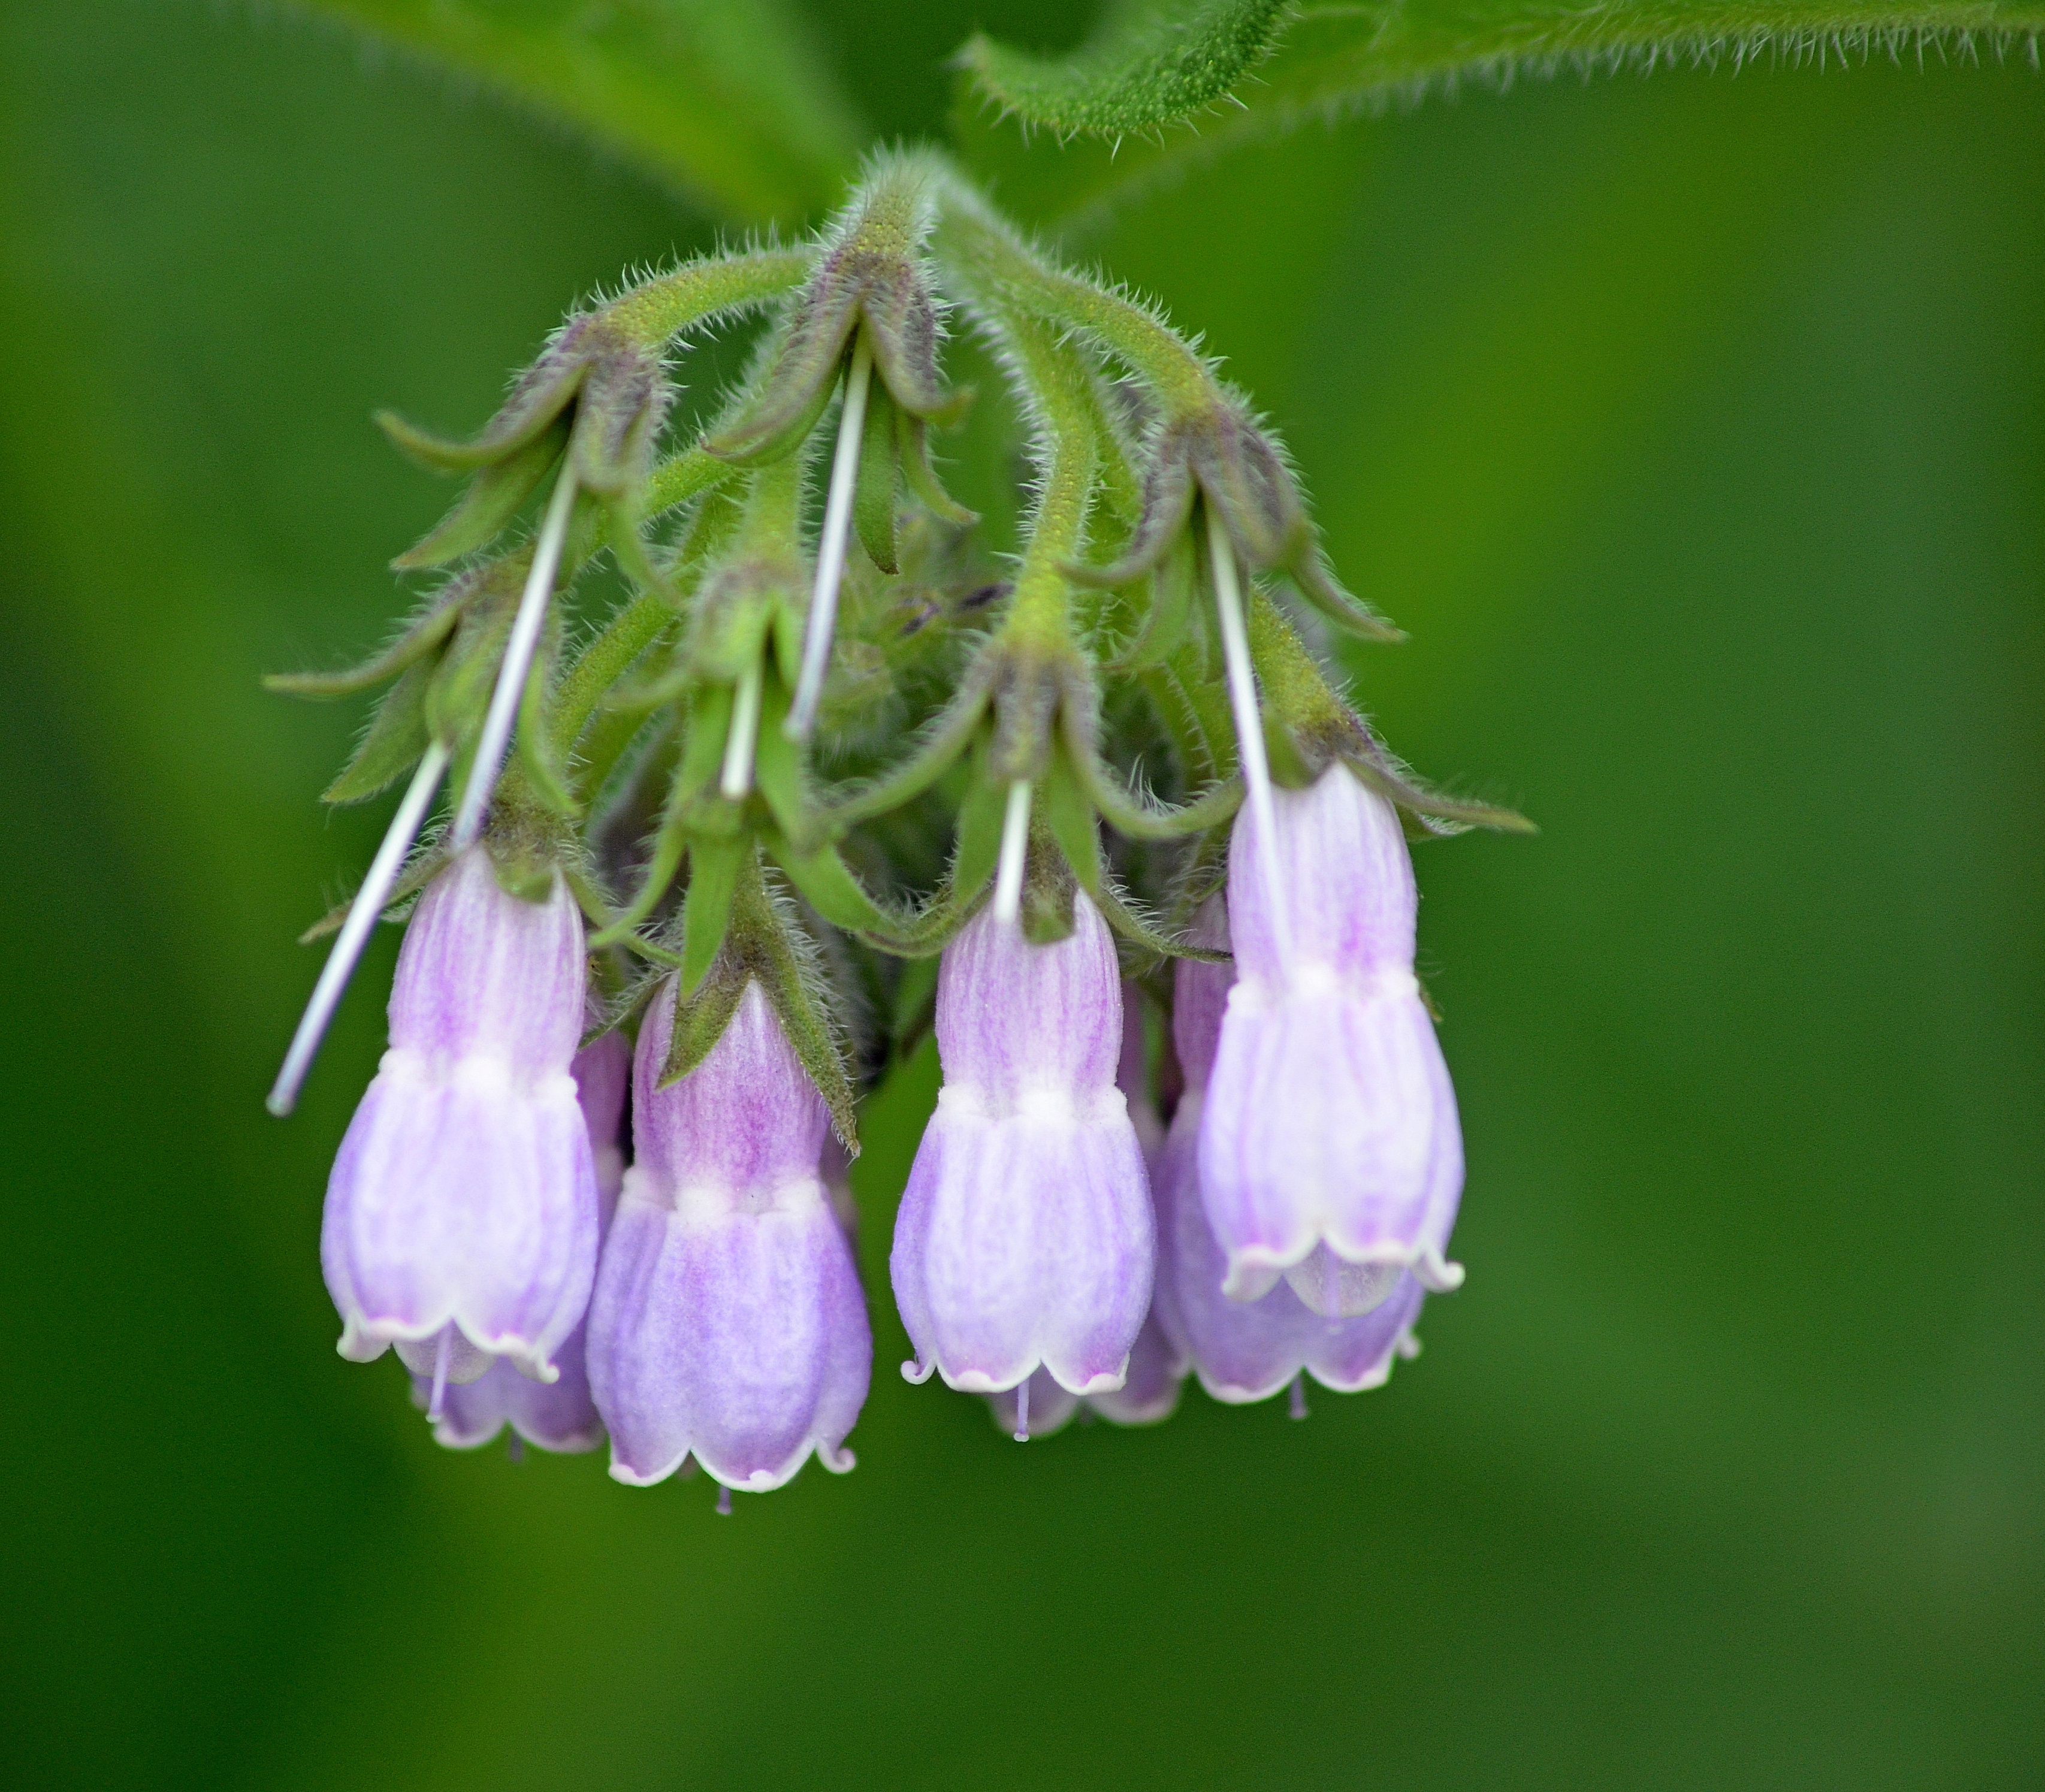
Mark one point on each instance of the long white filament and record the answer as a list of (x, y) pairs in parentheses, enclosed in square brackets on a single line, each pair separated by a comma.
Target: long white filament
[(1014, 842), (369, 903), (831, 547), (738, 744), (504, 700), (1249, 723)]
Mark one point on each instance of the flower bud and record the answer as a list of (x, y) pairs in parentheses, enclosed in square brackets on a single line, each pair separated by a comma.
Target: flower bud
[(560, 1417), (1247, 1350), (1330, 1150), (727, 1320), (462, 1215), (1025, 1237)]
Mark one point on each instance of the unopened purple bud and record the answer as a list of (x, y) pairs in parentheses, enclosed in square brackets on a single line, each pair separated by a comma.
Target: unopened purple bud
[(562, 1417), (462, 1215), (1329, 1151), (1025, 1238), (727, 1322), (1248, 1349)]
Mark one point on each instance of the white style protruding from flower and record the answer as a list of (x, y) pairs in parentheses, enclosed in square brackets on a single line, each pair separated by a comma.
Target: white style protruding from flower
[(461, 1215), (1329, 1151), (1025, 1238), (728, 1322)]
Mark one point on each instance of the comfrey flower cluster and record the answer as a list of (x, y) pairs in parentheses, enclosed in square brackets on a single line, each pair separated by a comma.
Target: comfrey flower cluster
[(830, 778)]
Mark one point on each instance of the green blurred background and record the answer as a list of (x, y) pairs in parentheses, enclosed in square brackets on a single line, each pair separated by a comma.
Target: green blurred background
[(1695, 427)]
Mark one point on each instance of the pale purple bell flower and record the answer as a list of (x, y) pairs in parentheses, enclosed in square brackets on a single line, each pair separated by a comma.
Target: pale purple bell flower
[(1025, 1238), (559, 1416), (1157, 1367), (728, 1322), (461, 1215), (1330, 1150), (1246, 1349)]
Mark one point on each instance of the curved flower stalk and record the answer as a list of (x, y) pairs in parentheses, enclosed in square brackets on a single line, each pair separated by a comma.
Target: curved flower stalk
[(1025, 1238), (1330, 1150), (728, 1323), (1243, 1350), (560, 1417), (461, 1216)]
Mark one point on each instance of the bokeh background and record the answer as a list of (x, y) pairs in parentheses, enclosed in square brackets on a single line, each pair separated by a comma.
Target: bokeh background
[(1695, 427)]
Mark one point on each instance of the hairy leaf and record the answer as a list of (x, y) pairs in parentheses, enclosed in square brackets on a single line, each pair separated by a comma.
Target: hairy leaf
[(1324, 59), (732, 104), (1149, 62)]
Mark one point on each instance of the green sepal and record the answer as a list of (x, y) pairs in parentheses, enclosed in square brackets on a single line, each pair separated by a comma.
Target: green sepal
[(769, 431), (439, 454), (912, 452), (701, 1018), (617, 647), (713, 868), (494, 496), (426, 864), (703, 755), (1438, 813), (1293, 764), (532, 738), (979, 833), (466, 673), (1173, 582), (622, 1011), (682, 477), (1129, 814), (879, 479), (947, 736), (777, 763), (1308, 569), (1069, 816), (815, 1046), (709, 717), (426, 632), (1129, 922), (1049, 890), (827, 884), (397, 736)]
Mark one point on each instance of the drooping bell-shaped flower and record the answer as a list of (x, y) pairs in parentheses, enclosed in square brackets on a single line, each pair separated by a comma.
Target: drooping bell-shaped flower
[(1156, 1366), (462, 1215), (1246, 1349), (1329, 1151), (727, 1322), (1025, 1238), (560, 1417)]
